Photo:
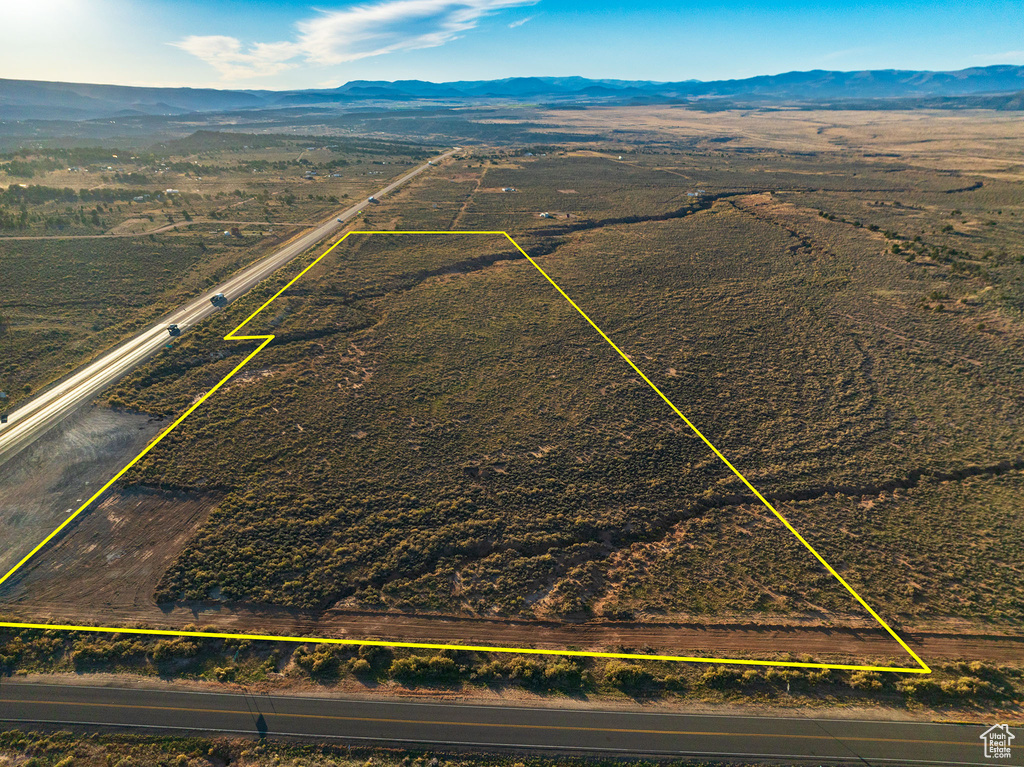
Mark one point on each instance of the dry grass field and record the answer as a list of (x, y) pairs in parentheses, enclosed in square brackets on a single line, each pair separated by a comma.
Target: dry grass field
[(834, 302), (84, 264), (436, 429), (981, 142)]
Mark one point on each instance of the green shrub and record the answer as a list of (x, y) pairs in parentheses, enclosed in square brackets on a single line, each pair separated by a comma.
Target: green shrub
[(321, 663), (416, 669), (866, 680), (174, 648), (225, 673), (721, 678), (627, 676), (361, 667)]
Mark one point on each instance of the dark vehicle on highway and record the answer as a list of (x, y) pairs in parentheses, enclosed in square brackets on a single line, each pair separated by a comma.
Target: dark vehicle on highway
[(174, 330), (219, 300)]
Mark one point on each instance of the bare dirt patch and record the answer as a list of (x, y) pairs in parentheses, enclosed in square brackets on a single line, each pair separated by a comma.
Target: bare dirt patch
[(114, 555), (51, 478)]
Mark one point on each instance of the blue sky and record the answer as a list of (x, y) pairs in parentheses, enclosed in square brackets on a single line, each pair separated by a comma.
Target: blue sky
[(233, 44)]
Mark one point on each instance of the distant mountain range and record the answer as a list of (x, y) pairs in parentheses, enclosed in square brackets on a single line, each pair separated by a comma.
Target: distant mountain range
[(35, 100)]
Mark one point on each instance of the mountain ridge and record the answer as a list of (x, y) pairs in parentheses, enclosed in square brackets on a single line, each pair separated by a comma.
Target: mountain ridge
[(35, 99)]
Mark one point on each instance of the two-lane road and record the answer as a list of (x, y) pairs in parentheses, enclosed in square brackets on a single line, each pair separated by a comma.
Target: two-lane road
[(34, 417), (593, 730)]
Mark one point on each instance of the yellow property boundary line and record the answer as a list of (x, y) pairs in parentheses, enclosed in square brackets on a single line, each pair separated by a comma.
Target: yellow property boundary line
[(266, 339)]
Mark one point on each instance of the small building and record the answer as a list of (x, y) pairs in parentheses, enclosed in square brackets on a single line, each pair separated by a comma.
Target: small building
[(171, 191), (545, 215)]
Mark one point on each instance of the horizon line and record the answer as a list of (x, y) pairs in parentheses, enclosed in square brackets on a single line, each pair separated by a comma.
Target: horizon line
[(229, 89)]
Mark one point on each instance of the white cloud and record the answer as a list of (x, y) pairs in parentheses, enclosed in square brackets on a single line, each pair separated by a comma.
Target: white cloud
[(520, 22), (1006, 57), (226, 56), (357, 32)]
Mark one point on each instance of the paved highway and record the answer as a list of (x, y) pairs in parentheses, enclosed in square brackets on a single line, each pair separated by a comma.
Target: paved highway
[(34, 417), (506, 727)]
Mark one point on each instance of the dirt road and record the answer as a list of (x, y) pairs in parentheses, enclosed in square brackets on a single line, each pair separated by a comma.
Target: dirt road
[(823, 643)]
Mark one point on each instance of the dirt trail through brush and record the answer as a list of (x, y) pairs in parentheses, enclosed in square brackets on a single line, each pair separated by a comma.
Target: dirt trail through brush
[(822, 642)]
